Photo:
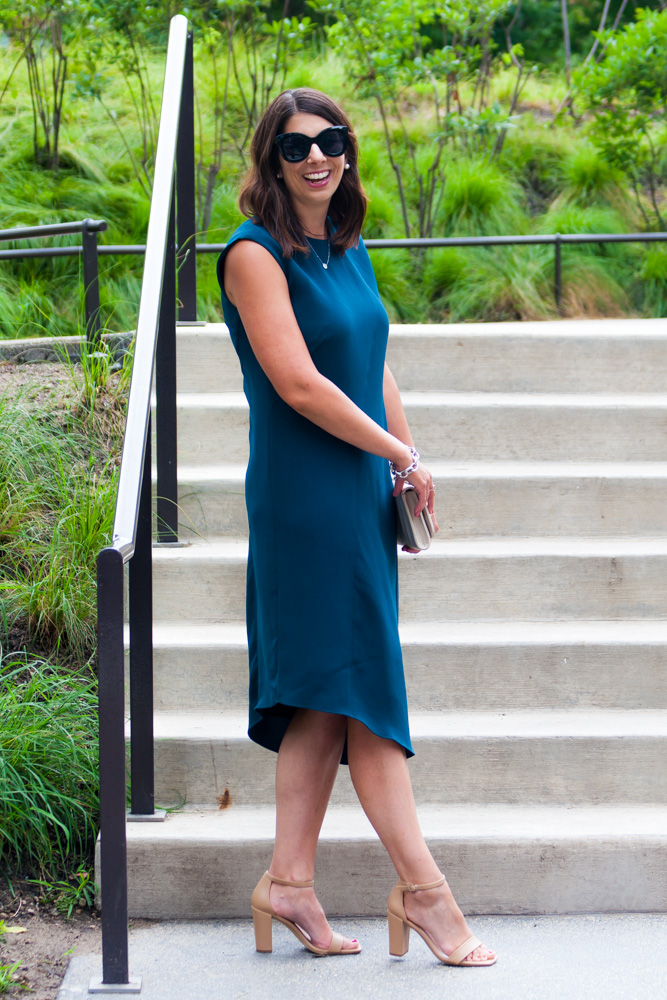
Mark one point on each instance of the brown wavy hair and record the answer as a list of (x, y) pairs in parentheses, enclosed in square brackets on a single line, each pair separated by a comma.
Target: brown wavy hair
[(264, 196)]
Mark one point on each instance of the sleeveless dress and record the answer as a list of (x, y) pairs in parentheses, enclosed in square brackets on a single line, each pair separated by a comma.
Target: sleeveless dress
[(322, 577)]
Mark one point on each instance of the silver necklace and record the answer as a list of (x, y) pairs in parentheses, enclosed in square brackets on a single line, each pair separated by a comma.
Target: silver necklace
[(325, 266)]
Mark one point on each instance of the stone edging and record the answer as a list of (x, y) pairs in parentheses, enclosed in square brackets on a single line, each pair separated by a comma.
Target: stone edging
[(35, 349)]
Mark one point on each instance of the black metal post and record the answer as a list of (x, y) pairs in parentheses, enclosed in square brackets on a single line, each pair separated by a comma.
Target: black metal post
[(185, 195), (559, 274), (165, 391), (113, 854), (142, 781), (91, 283)]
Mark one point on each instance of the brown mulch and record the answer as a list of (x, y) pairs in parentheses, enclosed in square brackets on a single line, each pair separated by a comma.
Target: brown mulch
[(47, 942), (39, 382)]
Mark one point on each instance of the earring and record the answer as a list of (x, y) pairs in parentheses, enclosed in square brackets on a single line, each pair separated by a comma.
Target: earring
[(279, 176), (347, 166)]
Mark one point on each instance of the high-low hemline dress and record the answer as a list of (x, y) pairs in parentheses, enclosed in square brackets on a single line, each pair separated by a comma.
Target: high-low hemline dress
[(322, 575)]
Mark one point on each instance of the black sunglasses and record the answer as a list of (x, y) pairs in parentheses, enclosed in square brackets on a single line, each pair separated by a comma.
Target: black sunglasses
[(295, 146)]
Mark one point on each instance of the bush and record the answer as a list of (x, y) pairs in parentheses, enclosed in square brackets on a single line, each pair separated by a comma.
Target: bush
[(49, 792), (57, 499)]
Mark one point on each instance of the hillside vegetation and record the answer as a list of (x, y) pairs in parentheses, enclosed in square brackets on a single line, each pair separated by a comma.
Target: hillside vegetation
[(469, 137)]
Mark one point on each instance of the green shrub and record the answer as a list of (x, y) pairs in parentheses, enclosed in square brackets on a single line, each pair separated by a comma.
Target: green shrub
[(652, 277), (444, 267), (57, 498), (589, 178), (393, 269), (479, 199), (49, 796)]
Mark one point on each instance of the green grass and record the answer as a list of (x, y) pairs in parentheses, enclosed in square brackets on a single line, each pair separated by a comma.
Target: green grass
[(58, 474), (542, 172), (49, 797), (58, 469)]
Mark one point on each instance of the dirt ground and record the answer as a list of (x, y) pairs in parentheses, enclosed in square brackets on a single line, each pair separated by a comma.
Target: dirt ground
[(40, 381), (46, 944)]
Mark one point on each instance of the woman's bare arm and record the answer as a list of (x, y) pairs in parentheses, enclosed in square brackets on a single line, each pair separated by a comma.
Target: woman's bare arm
[(397, 423), (256, 284)]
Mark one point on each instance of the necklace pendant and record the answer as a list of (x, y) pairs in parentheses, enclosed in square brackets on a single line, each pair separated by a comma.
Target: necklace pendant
[(325, 266)]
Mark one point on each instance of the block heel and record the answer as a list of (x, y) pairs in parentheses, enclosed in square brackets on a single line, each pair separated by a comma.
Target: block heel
[(263, 933), (399, 935)]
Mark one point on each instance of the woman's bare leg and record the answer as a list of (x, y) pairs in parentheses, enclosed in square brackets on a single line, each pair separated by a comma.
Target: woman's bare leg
[(379, 772), (308, 762)]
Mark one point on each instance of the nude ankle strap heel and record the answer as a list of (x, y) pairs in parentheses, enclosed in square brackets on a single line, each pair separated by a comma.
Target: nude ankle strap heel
[(263, 913), (399, 928)]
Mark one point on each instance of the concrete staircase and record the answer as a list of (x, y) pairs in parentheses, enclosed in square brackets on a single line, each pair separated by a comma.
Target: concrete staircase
[(534, 632)]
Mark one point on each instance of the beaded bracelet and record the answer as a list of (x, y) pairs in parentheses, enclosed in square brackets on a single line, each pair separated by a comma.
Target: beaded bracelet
[(410, 469)]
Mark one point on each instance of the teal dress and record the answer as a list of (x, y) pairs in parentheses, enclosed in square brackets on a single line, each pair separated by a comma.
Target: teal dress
[(322, 579)]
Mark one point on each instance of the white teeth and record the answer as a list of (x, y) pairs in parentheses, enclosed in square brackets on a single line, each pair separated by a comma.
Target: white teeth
[(317, 177)]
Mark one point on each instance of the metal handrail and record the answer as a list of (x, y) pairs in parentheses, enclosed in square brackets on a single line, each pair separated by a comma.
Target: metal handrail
[(89, 228), (555, 239), (139, 403), (155, 349)]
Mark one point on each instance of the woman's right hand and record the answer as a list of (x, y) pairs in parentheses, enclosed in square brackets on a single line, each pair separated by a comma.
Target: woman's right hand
[(422, 480)]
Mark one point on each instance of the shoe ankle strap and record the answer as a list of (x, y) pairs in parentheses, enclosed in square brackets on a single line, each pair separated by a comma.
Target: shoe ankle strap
[(414, 887), (290, 882)]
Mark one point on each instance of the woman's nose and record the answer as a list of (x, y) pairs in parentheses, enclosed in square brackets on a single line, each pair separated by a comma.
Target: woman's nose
[(316, 153)]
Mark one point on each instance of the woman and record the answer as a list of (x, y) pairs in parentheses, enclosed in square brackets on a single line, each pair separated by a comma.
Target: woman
[(326, 424)]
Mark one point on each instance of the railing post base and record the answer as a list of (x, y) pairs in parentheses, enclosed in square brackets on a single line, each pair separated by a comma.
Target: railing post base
[(97, 986), (159, 816)]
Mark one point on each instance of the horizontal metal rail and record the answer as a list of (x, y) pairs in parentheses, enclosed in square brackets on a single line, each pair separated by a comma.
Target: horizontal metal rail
[(89, 228), (557, 240), (129, 249), (57, 229)]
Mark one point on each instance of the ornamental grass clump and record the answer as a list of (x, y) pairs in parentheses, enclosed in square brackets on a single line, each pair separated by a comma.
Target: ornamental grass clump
[(58, 472), (49, 795)]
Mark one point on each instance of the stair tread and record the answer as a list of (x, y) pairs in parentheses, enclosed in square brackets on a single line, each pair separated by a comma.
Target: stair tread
[(477, 633), (471, 821), (517, 724), (602, 328), (485, 547), (520, 398), (188, 473)]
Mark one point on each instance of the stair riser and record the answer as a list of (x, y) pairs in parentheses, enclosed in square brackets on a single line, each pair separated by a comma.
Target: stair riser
[(209, 879), (449, 588), (541, 769), (479, 432), (444, 677), (452, 361), (468, 507)]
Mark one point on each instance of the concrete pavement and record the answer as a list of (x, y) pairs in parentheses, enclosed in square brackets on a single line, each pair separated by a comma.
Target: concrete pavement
[(592, 957)]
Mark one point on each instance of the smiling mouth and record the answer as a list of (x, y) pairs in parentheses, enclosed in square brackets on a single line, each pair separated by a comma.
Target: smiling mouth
[(317, 178)]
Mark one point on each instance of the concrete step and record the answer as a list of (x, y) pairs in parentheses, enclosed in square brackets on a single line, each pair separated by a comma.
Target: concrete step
[(497, 858), (570, 757), (466, 426), (622, 355), (472, 666), (476, 498), (472, 579)]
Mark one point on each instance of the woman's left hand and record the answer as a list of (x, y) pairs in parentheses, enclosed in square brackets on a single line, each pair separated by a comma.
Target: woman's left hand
[(422, 480)]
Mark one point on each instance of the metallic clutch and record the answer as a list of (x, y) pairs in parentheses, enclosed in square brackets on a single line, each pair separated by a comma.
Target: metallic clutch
[(415, 532)]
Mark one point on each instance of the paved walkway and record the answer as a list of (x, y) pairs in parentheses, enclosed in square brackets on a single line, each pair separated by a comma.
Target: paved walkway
[(592, 957)]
